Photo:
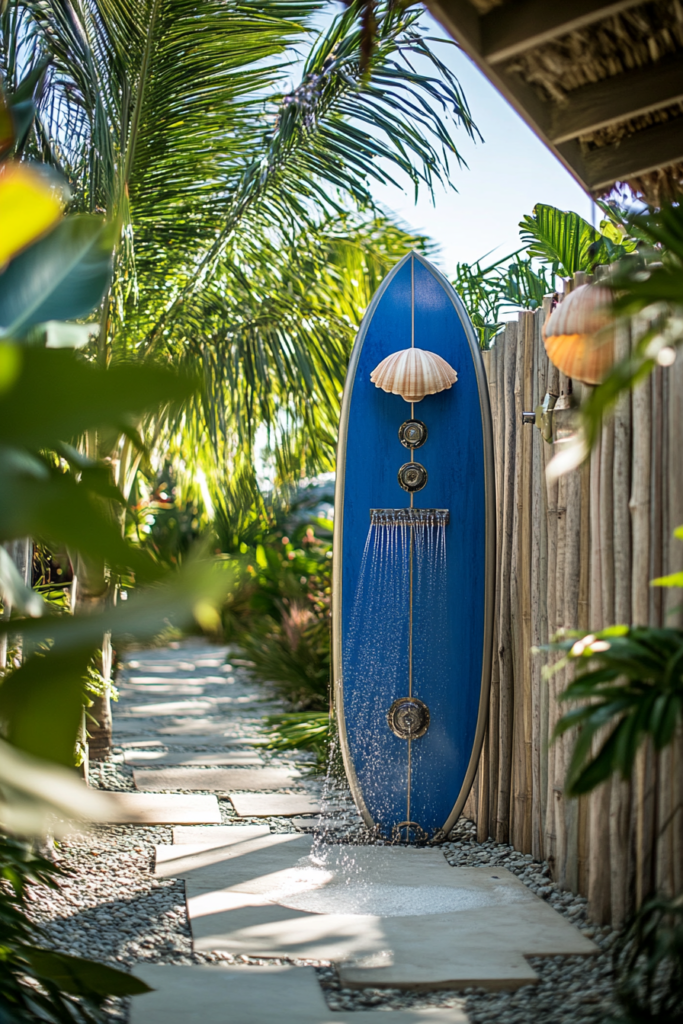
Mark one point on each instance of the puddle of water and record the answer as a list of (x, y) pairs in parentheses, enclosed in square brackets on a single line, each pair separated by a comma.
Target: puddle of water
[(318, 891)]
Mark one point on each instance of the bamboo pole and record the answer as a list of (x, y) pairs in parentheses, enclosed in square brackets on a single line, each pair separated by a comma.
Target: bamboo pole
[(541, 491), (641, 510), (506, 707), (656, 609), (599, 876), (526, 334), (538, 597), (558, 680), (518, 801), (552, 491), (482, 782), (568, 870), (622, 474), (670, 803), (640, 504), (663, 761), (499, 425)]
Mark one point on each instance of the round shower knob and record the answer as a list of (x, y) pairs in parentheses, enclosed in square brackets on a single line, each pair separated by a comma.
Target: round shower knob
[(412, 434), (412, 476), (408, 718)]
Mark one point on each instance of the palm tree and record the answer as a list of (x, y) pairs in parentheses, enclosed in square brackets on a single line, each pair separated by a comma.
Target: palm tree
[(240, 204)]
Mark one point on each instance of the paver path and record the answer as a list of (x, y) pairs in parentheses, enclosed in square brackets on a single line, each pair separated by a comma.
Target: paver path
[(113, 908)]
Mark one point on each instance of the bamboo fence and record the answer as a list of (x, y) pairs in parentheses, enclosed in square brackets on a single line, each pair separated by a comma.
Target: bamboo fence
[(579, 553)]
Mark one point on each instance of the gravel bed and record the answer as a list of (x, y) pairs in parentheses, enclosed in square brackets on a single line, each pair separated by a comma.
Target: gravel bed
[(110, 907)]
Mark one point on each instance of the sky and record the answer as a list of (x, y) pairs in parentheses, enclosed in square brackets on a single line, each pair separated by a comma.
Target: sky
[(508, 174)]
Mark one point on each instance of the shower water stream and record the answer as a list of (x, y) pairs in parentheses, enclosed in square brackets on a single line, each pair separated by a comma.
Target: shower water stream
[(399, 616)]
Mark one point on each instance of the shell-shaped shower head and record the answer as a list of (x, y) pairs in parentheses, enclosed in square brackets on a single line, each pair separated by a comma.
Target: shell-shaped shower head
[(413, 373)]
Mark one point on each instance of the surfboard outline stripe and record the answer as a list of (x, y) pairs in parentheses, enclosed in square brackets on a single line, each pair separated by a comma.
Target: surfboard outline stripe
[(490, 542)]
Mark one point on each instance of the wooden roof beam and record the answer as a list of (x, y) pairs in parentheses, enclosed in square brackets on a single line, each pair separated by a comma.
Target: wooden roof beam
[(521, 24), (617, 99), (632, 157)]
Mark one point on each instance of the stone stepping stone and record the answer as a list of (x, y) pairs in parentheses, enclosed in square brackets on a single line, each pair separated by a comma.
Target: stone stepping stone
[(160, 709), (217, 835), (210, 726), (163, 809), (236, 757), (152, 683), (222, 780), (263, 805), (396, 918), (175, 743), (254, 865), (161, 666), (253, 995)]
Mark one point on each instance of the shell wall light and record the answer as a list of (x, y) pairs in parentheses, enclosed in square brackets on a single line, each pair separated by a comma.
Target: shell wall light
[(579, 334), (413, 373)]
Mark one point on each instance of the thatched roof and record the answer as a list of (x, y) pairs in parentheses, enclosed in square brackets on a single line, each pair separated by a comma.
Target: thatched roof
[(600, 83)]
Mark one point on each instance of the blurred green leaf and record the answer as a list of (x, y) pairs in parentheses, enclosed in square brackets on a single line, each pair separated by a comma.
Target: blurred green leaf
[(40, 702), (61, 277), (83, 977), (89, 397), (44, 503), (628, 686), (675, 579)]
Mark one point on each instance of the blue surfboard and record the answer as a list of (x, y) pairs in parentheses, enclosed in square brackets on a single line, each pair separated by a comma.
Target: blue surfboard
[(414, 570)]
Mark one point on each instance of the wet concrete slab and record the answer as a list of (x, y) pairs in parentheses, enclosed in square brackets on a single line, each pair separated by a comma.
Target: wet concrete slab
[(392, 917), (280, 805), (163, 809), (175, 759), (254, 995), (222, 780)]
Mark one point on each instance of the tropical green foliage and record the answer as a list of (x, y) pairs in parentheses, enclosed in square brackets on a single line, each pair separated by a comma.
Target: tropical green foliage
[(648, 964), (509, 283), (280, 614), (568, 243), (54, 492), (37, 984), (628, 687), (301, 730), (225, 224)]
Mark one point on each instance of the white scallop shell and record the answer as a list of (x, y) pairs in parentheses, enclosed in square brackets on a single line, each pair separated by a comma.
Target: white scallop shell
[(413, 373)]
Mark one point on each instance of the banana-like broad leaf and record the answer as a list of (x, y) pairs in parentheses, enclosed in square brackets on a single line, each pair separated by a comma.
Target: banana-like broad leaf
[(61, 277), (83, 977), (566, 241), (86, 396)]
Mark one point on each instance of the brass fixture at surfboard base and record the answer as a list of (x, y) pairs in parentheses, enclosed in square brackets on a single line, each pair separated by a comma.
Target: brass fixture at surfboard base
[(408, 718), (412, 476), (408, 826), (412, 434)]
